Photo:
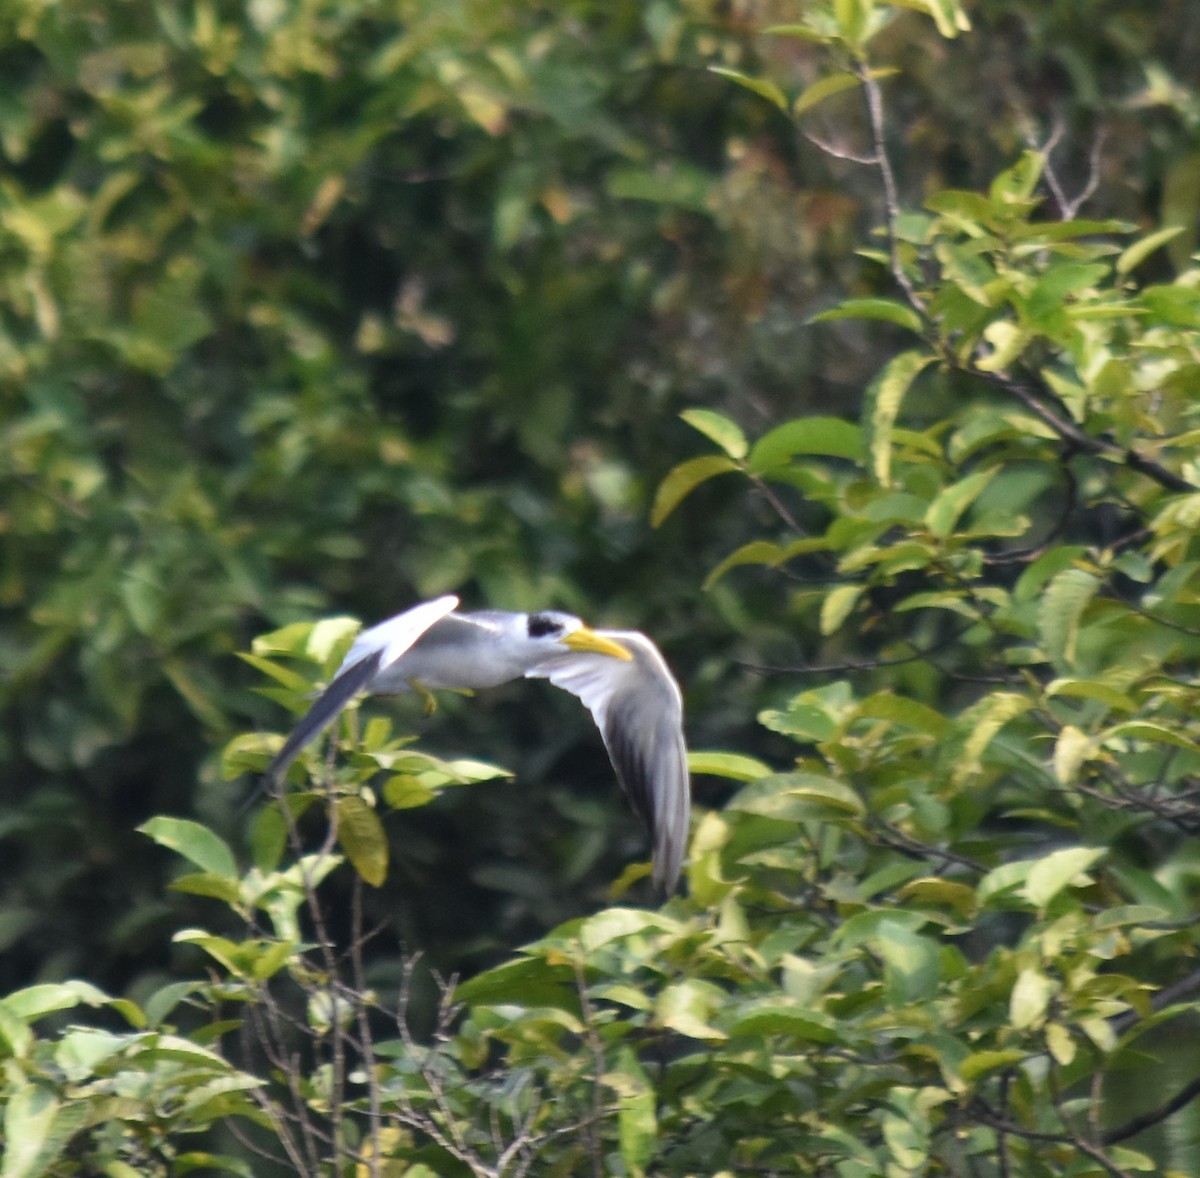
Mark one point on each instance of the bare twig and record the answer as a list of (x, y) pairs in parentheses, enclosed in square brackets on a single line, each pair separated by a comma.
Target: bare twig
[(891, 197)]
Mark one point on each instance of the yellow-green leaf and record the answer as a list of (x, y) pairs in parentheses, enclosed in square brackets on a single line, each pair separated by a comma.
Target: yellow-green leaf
[(763, 87), (884, 397), (1050, 874), (947, 508), (1134, 255), (1066, 597), (837, 606), (361, 836), (685, 478), (716, 426)]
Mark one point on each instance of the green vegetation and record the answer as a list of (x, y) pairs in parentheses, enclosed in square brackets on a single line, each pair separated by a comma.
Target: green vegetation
[(886, 319)]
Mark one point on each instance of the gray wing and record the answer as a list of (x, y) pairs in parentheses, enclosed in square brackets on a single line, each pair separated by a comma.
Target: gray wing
[(372, 652), (638, 708)]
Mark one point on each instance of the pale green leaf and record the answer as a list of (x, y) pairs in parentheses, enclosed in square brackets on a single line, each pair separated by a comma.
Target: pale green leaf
[(718, 428), (1060, 1043), (884, 397), (1030, 998), (981, 722), (1007, 340), (837, 606), (194, 842), (1072, 749), (688, 1006), (1050, 874), (1060, 611), (33, 1002), (735, 766), (29, 1140)]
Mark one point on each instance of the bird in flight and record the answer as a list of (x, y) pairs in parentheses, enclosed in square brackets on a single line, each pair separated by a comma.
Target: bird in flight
[(620, 676)]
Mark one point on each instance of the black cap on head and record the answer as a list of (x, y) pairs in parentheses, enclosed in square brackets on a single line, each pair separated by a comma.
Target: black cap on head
[(543, 625)]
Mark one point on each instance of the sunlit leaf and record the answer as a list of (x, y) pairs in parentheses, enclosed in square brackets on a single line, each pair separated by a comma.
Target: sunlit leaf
[(194, 842), (716, 426)]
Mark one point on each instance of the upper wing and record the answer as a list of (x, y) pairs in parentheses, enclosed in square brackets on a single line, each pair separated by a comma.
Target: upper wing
[(373, 651), (639, 710)]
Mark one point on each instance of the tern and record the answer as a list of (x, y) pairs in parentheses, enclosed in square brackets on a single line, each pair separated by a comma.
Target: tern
[(619, 675)]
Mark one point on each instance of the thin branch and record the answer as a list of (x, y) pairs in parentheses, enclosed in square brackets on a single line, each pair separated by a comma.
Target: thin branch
[(1143, 1121), (891, 198), (1085, 442)]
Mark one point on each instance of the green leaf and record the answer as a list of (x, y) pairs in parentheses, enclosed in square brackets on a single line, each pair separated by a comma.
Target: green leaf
[(947, 508), (1007, 340), (824, 88), (30, 1142), (1030, 999), (763, 552), (34, 1002), (801, 32), (734, 766), (361, 836), (685, 478), (763, 87), (1063, 603), (1092, 689), (885, 705), (1155, 733), (888, 310), (208, 883), (637, 1124), (1050, 874), (770, 1016), (982, 1063), (837, 606), (1072, 748), (615, 923), (688, 1006), (717, 427), (853, 19), (981, 722), (830, 436), (194, 842), (1139, 251), (796, 797), (884, 397), (911, 963), (947, 15)]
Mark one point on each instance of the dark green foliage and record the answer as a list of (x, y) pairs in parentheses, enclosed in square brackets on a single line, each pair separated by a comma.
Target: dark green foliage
[(334, 306)]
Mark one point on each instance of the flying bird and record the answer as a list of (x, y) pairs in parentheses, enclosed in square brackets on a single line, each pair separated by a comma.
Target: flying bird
[(619, 675)]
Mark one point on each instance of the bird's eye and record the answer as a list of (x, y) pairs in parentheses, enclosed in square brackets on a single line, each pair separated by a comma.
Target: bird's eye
[(540, 626)]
